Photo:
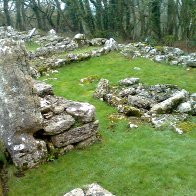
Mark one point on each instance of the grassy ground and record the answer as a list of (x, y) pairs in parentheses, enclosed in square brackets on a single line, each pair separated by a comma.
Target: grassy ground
[(31, 46), (138, 162)]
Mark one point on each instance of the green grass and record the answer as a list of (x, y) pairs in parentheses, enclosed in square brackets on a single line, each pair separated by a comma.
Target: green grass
[(31, 46), (139, 162)]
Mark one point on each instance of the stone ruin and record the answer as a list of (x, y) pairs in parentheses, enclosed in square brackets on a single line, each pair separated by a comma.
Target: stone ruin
[(51, 53), (35, 124), (161, 104), (49, 56), (159, 54)]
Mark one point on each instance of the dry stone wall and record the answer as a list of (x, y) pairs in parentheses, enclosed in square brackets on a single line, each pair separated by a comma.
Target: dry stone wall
[(35, 124), (160, 54), (161, 104), (67, 124)]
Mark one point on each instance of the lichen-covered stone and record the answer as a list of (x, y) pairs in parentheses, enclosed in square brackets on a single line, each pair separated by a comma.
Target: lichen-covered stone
[(129, 81), (86, 142), (127, 91), (139, 102), (83, 112), (168, 105), (167, 120), (102, 89), (113, 100), (43, 89), (111, 44), (75, 135), (89, 190), (95, 189), (75, 192), (20, 115), (27, 152), (58, 124), (185, 107)]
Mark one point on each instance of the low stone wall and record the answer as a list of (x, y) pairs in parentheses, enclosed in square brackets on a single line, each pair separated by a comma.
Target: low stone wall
[(67, 124), (161, 104), (42, 65), (160, 54), (35, 124)]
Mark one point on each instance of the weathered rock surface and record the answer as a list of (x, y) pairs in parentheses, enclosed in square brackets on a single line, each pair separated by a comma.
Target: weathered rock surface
[(89, 190), (129, 110), (111, 44), (168, 105), (167, 120), (83, 112), (139, 101), (29, 123), (102, 89), (185, 107), (75, 135), (58, 124), (43, 89), (129, 81), (95, 189), (20, 115), (75, 192), (97, 41)]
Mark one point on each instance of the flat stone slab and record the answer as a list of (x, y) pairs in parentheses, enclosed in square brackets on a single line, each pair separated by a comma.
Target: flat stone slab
[(129, 81), (58, 124), (83, 112), (75, 135)]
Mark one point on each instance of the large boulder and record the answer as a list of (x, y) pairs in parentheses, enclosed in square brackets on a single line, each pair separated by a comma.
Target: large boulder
[(20, 115), (111, 44)]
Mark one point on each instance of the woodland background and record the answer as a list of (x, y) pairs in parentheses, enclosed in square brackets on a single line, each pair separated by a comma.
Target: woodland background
[(155, 20)]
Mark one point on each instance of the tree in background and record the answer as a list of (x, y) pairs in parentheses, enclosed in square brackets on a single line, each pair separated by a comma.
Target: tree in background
[(126, 19)]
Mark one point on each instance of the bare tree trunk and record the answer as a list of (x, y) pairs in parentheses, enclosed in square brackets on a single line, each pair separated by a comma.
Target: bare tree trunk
[(6, 11), (19, 24)]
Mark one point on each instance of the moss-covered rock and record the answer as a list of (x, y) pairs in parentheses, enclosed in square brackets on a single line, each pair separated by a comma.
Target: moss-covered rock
[(129, 110)]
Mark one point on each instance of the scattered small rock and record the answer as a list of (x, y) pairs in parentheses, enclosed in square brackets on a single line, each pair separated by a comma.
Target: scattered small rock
[(132, 126)]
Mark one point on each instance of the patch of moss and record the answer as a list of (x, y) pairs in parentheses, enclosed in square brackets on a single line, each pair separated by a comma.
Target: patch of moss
[(42, 69), (187, 126), (89, 79), (159, 48), (116, 117)]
